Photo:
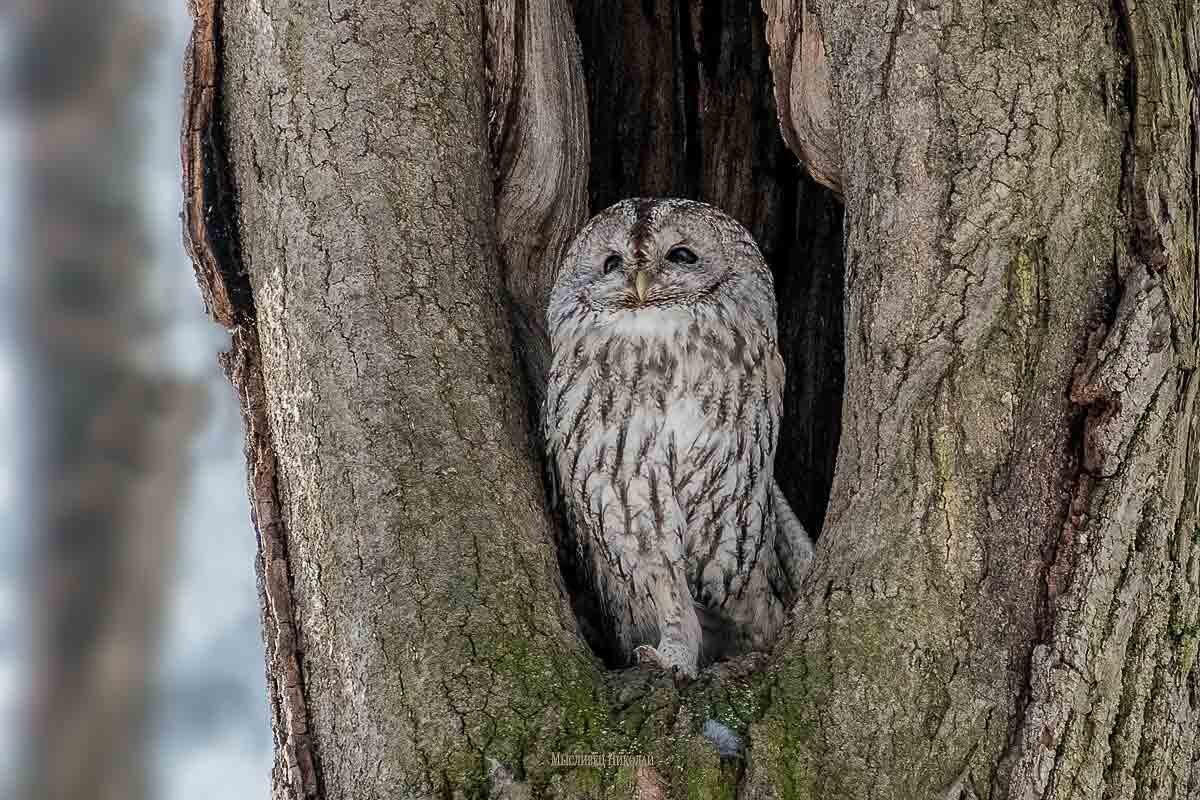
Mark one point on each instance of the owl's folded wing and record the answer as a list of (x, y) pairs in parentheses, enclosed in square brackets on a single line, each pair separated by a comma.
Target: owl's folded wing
[(793, 545)]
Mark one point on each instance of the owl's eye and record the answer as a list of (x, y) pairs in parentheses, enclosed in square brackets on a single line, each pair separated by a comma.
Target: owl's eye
[(682, 255), (611, 263)]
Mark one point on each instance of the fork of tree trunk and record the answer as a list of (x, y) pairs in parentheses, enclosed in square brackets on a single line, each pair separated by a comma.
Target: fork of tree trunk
[(982, 222)]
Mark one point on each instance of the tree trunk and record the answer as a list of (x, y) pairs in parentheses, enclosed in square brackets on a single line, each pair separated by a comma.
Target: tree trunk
[(1006, 583), (1003, 602), (414, 620)]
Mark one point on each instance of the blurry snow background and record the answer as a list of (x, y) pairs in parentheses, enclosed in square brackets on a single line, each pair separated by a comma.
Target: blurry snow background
[(214, 732), (210, 729)]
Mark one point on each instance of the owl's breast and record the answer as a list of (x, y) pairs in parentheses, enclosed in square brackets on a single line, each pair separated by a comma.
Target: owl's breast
[(665, 431)]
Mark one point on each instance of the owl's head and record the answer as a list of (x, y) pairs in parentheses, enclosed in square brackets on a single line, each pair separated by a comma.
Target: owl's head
[(647, 258)]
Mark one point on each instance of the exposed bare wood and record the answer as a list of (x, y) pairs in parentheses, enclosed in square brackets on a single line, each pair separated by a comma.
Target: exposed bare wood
[(538, 132), (803, 93), (209, 237)]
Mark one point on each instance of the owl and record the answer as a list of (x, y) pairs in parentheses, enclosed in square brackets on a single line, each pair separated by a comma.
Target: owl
[(660, 422)]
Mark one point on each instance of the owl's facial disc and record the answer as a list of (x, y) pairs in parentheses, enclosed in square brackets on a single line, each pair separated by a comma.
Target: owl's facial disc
[(662, 271), (650, 263)]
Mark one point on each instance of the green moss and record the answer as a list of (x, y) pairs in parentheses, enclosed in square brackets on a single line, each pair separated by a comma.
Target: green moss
[(789, 733), (699, 774), (736, 708), (880, 671), (1022, 305)]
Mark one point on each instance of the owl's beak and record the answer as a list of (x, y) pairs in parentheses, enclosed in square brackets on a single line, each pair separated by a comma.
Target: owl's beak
[(641, 284)]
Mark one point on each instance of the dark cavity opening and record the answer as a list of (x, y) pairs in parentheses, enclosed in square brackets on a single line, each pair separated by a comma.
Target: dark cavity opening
[(681, 104)]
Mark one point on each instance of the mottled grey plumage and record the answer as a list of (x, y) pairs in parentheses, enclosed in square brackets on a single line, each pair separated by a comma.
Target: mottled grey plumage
[(660, 420)]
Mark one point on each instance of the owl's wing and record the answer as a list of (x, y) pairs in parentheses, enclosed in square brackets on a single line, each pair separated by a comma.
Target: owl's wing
[(572, 551), (564, 524), (793, 545), (548, 444)]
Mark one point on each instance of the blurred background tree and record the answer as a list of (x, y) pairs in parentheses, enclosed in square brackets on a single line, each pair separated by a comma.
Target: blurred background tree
[(125, 426)]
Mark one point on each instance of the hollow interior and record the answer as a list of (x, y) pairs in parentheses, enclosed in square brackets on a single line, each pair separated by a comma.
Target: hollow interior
[(681, 104)]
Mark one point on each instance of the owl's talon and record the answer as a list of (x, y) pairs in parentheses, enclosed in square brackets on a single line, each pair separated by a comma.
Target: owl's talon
[(645, 655), (660, 658)]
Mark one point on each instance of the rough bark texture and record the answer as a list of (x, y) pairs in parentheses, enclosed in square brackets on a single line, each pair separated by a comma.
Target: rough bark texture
[(406, 511), (418, 639), (1004, 601), (211, 235)]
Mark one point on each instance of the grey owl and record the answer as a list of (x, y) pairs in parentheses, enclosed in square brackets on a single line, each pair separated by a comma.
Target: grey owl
[(660, 421)]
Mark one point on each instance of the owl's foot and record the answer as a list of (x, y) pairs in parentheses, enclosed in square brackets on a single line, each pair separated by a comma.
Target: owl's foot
[(646, 656), (668, 656)]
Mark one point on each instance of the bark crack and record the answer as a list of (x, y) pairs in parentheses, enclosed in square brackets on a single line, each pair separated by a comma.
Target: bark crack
[(1147, 240), (210, 223), (1194, 168), (889, 55)]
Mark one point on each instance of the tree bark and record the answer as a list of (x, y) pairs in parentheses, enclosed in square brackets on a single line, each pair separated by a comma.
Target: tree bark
[(1006, 583), (1003, 602), (415, 625)]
